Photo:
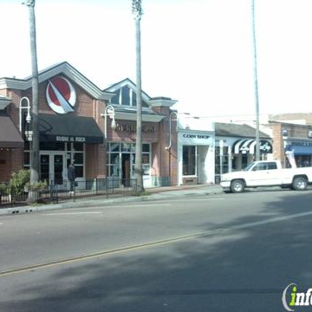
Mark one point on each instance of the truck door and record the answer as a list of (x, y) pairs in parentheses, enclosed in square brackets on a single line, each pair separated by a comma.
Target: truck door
[(264, 174)]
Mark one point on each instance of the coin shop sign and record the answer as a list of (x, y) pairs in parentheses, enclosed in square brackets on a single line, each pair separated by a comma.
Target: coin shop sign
[(195, 138)]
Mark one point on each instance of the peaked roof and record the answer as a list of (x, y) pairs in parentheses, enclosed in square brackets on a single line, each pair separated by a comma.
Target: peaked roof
[(236, 130), (61, 68), (151, 101), (127, 82)]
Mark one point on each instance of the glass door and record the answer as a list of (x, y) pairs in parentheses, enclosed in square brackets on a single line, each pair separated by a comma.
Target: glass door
[(52, 167), (58, 164), (45, 168)]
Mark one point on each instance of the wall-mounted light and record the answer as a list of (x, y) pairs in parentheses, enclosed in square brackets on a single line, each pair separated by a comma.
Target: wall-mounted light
[(284, 132), (109, 112), (24, 104), (170, 128)]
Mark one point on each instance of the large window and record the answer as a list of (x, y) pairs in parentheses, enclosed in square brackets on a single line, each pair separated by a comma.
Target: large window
[(221, 160), (120, 153), (189, 160)]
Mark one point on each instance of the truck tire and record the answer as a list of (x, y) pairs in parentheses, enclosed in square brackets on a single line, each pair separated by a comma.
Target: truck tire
[(300, 183), (237, 186)]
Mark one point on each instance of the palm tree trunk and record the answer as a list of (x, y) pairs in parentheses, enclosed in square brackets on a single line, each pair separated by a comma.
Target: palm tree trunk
[(255, 79), (34, 150), (137, 11)]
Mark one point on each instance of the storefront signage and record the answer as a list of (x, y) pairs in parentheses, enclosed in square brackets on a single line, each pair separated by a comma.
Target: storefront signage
[(264, 147), (195, 136), (61, 95), (132, 128), (62, 138), (301, 143)]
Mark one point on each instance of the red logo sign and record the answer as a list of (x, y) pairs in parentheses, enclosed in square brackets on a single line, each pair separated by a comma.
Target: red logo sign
[(61, 95)]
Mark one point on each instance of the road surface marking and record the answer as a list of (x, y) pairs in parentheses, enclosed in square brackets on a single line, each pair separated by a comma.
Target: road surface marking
[(151, 244), (73, 213)]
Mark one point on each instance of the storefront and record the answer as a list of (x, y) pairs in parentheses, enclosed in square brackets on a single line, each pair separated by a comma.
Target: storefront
[(236, 147), (93, 129), (120, 128), (11, 144), (292, 137), (195, 151)]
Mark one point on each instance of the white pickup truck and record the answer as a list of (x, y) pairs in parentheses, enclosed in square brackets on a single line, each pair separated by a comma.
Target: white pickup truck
[(267, 173)]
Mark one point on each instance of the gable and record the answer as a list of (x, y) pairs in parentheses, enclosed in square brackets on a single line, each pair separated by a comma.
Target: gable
[(125, 94), (63, 68)]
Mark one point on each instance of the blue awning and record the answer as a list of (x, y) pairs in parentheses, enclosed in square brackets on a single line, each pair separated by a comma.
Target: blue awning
[(302, 150)]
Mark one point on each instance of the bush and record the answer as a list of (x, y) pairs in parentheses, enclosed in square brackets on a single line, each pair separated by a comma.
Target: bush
[(19, 180)]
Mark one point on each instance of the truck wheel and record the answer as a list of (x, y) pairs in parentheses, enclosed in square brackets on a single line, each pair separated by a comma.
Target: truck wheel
[(237, 186), (300, 183)]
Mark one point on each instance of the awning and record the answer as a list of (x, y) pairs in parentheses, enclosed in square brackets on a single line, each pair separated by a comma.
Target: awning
[(249, 146), (69, 128), (9, 135), (302, 150)]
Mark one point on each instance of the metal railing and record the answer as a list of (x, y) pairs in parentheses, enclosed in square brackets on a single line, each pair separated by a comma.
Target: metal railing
[(54, 193)]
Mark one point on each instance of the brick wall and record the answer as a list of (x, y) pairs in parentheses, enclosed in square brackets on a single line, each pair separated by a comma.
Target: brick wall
[(11, 160)]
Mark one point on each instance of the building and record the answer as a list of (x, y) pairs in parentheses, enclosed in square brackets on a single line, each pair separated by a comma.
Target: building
[(79, 123), (195, 150), (236, 147), (11, 143), (289, 136)]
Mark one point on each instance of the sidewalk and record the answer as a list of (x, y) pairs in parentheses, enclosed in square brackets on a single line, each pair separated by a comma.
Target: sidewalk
[(152, 194)]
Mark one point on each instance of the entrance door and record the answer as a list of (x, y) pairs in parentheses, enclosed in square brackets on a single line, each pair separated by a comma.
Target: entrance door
[(125, 169), (52, 166)]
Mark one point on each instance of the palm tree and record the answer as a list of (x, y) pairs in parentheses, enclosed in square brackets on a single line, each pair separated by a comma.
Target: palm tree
[(34, 150), (137, 12)]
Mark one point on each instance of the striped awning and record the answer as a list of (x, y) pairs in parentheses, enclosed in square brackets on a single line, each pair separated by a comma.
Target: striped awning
[(245, 146)]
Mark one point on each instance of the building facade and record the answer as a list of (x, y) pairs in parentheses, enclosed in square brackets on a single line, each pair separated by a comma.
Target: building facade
[(287, 137), (236, 147), (81, 124)]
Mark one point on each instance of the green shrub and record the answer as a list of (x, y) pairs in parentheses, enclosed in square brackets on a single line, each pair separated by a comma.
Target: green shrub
[(19, 180)]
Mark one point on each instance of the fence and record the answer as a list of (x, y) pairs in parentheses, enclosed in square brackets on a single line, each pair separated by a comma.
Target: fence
[(57, 192)]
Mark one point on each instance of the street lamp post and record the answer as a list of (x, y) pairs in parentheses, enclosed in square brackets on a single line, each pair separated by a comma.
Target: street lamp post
[(109, 111), (170, 128), (168, 148), (28, 133)]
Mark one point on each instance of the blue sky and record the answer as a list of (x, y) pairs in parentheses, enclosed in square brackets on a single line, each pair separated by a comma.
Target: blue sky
[(198, 52)]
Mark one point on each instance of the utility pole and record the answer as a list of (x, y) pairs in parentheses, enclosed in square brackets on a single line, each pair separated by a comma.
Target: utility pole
[(255, 79), (137, 12), (34, 144)]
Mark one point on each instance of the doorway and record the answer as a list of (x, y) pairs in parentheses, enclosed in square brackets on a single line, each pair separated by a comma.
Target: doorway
[(126, 169), (52, 167)]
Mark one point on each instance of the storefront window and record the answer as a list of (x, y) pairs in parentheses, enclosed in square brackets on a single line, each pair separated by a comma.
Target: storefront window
[(114, 147), (189, 160), (78, 146), (119, 156), (221, 160), (78, 162)]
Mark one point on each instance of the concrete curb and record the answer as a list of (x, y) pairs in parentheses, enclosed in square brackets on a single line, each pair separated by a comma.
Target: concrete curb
[(103, 201)]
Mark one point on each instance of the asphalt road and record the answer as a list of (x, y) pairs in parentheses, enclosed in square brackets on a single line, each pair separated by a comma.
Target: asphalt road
[(226, 252)]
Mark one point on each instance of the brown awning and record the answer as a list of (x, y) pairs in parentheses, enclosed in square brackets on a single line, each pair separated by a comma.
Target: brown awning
[(9, 135)]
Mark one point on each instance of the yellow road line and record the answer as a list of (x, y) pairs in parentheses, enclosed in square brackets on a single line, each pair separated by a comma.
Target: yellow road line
[(98, 254)]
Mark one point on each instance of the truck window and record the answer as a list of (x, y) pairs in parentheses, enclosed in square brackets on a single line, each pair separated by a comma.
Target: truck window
[(260, 166), (265, 166), (272, 165)]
